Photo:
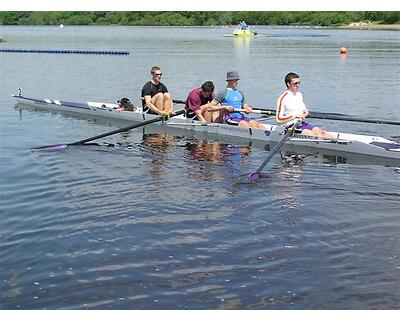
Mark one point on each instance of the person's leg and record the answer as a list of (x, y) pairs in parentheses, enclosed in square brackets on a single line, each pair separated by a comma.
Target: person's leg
[(255, 124), (322, 133), (210, 116), (318, 133), (167, 103), (158, 101), (250, 123), (218, 116), (244, 123), (307, 132)]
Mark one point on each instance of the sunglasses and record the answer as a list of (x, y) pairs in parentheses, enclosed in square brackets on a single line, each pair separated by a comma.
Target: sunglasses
[(157, 74), (296, 83)]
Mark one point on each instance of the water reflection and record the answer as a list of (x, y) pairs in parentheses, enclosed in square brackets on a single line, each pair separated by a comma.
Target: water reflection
[(242, 48), (241, 42), (285, 179), (159, 145), (291, 158), (225, 159), (207, 159), (291, 174), (204, 150)]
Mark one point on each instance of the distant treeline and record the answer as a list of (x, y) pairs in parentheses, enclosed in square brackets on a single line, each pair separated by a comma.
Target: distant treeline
[(196, 18)]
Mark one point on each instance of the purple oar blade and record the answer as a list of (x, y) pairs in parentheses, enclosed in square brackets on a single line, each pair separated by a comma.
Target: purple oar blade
[(255, 176), (56, 147)]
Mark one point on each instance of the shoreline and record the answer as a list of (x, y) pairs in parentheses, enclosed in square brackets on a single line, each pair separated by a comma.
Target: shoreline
[(352, 26), (368, 26)]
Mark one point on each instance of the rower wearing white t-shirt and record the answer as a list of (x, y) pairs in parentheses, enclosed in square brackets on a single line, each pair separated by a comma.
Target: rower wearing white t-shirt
[(291, 107)]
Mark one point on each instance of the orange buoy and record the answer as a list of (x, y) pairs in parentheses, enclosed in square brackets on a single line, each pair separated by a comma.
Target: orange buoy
[(343, 50)]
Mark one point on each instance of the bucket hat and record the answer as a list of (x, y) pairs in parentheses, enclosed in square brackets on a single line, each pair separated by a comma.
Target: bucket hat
[(232, 75)]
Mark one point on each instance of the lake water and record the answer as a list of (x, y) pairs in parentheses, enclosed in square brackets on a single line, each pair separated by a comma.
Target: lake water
[(160, 221)]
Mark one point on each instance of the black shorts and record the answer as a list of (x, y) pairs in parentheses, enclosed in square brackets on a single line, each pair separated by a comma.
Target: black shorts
[(190, 114), (147, 110)]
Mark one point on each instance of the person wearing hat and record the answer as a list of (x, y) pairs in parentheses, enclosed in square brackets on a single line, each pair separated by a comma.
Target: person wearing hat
[(230, 100), (155, 96)]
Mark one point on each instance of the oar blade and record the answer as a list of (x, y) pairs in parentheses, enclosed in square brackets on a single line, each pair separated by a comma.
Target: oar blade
[(55, 147), (254, 177)]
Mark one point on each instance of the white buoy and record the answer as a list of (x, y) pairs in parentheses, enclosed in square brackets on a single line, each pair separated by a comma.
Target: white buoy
[(61, 25)]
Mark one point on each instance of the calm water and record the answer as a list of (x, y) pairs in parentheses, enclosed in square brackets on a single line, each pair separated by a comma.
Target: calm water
[(161, 220)]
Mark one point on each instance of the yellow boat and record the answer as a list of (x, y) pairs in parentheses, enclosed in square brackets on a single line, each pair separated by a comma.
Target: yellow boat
[(240, 32)]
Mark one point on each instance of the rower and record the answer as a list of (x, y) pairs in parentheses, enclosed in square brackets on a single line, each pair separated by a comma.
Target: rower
[(229, 100), (198, 101), (155, 95), (290, 108)]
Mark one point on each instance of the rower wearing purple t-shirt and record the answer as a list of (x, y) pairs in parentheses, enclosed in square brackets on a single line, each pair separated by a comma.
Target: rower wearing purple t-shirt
[(198, 101)]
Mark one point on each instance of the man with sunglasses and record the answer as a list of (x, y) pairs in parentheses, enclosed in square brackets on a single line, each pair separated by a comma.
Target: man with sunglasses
[(155, 96), (291, 107)]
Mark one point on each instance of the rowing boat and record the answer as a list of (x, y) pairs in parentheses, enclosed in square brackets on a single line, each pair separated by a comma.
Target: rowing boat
[(343, 143), (242, 33)]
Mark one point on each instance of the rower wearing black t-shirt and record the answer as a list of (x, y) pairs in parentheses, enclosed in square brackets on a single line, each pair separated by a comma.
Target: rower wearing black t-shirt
[(155, 96)]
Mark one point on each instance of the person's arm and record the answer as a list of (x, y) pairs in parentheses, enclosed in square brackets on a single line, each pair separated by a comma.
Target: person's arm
[(247, 108), (193, 103), (216, 106), (200, 116), (281, 116), (305, 112), (216, 103)]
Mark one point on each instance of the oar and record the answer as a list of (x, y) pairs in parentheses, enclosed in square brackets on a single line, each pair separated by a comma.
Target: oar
[(270, 112), (254, 176), (321, 115), (56, 147), (179, 101), (331, 116)]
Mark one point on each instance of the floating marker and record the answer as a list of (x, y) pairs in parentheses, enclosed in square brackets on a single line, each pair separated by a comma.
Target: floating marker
[(64, 51)]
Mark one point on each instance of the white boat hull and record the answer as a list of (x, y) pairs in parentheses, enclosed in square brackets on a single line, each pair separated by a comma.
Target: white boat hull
[(345, 143)]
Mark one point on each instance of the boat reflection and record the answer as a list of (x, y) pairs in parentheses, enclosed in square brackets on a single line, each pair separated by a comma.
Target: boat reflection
[(158, 145), (207, 159), (242, 49), (290, 158), (214, 160), (291, 175)]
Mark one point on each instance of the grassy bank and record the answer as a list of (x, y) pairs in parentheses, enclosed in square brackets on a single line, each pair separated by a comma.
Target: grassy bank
[(198, 18)]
